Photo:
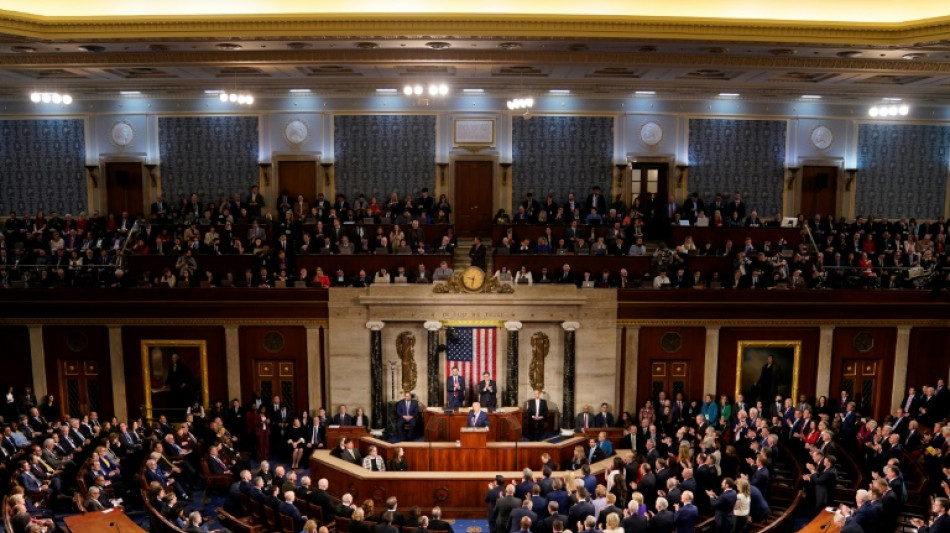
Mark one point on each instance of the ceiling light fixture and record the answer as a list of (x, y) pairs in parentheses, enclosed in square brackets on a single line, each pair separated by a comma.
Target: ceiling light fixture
[(473, 91), (300, 91), (560, 91), (433, 89), (51, 98), (236, 98), (386, 91), (811, 97), (889, 110), (645, 93), (732, 95), (130, 93)]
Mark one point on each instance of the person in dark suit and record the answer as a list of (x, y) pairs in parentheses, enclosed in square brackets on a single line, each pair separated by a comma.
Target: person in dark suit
[(581, 510), (321, 498), (488, 392), (596, 201), (407, 413), (824, 482), (537, 413), (547, 524), (687, 515), (514, 520), (664, 521), (723, 506), (455, 386), (437, 523), (504, 507), (604, 419), (288, 508), (610, 508), (939, 523), (634, 521), (342, 418), (476, 417), (594, 452), (386, 525)]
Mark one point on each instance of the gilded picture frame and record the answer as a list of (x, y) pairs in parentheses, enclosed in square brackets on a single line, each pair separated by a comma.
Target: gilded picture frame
[(171, 392), (751, 374), (473, 132)]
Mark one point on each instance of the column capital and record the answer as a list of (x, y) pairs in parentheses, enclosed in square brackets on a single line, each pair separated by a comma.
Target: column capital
[(571, 326), (712, 330), (513, 325), (375, 325), (432, 325)]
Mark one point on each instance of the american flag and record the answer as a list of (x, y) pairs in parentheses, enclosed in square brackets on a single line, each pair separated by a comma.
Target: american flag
[(473, 351)]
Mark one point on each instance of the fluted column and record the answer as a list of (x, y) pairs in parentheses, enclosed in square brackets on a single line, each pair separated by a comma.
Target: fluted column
[(901, 357), (38, 360), (711, 364), (376, 372), (825, 342), (570, 341), (118, 373), (433, 381), (232, 354), (510, 398)]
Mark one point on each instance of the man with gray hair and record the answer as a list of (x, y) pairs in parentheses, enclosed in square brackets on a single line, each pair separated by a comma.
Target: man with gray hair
[(287, 508), (345, 509), (664, 521), (437, 522), (321, 498), (523, 489)]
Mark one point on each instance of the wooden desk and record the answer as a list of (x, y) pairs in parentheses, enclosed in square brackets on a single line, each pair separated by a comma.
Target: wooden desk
[(503, 426), (823, 523), (460, 493), (99, 521), (719, 236), (334, 433)]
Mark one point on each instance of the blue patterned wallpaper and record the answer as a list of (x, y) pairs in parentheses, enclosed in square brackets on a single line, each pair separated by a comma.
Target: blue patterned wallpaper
[(738, 155), (902, 170), (557, 155), (42, 166), (215, 156), (378, 154)]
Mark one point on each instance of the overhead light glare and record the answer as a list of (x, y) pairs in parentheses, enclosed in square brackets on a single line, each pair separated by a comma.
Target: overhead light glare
[(560, 91), (729, 94), (891, 99), (214, 91), (50, 98), (811, 97), (386, 91), (130, 93), (300, 91), (473, 91), (645, 93)]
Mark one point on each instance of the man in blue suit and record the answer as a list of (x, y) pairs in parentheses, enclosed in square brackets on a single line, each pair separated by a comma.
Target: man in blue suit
[(686, 515), (408, 412), (724, 505), (288, 508), (476, 417), (455, 386)]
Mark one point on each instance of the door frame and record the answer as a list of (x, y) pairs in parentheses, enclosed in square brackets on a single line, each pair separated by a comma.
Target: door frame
[(626, 189), (273, 191), (844, 195), (500, 186), (151, 184)]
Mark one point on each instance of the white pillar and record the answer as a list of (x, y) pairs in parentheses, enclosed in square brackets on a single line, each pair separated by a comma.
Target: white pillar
[(825, 342), (711, 367), (117, 362), (232, 354), (901, 355), (314, 369), (38, 360), (633, 363)]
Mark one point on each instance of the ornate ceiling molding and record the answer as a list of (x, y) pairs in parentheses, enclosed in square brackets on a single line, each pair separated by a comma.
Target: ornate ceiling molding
[(390, 56), (473, 25)]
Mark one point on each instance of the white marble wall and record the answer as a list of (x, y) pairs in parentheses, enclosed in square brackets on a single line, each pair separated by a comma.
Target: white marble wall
[(538, 308)]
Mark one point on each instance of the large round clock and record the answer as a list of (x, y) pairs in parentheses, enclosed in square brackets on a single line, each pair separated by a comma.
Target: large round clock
[(473, 278)]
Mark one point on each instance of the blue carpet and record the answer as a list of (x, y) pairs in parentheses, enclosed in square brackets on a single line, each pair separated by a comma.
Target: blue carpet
[(468, 525)]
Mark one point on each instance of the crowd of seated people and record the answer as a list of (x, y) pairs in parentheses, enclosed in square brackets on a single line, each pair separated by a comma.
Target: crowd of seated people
[(93, 251)]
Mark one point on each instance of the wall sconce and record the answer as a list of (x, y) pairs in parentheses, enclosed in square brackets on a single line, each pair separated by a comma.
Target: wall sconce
[(265, 172), (326, 173), (684, 171), (93, 172), (152, 169), (852, 174), (504, 172), (793, 173), (442, 167)]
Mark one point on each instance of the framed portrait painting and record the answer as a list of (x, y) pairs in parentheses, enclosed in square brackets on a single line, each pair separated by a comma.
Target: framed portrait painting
[(766, 369), (175, 373)]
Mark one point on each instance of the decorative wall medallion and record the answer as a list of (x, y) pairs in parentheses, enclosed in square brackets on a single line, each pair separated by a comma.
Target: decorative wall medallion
[(822, 137), (863, 342), (296, 132), (273, 341), (76, 341), (122, 134), (379, 493), (651, 133), (441, 494), (671, 342)]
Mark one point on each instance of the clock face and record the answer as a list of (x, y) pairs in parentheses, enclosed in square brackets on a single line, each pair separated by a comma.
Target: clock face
[(473, 278)]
